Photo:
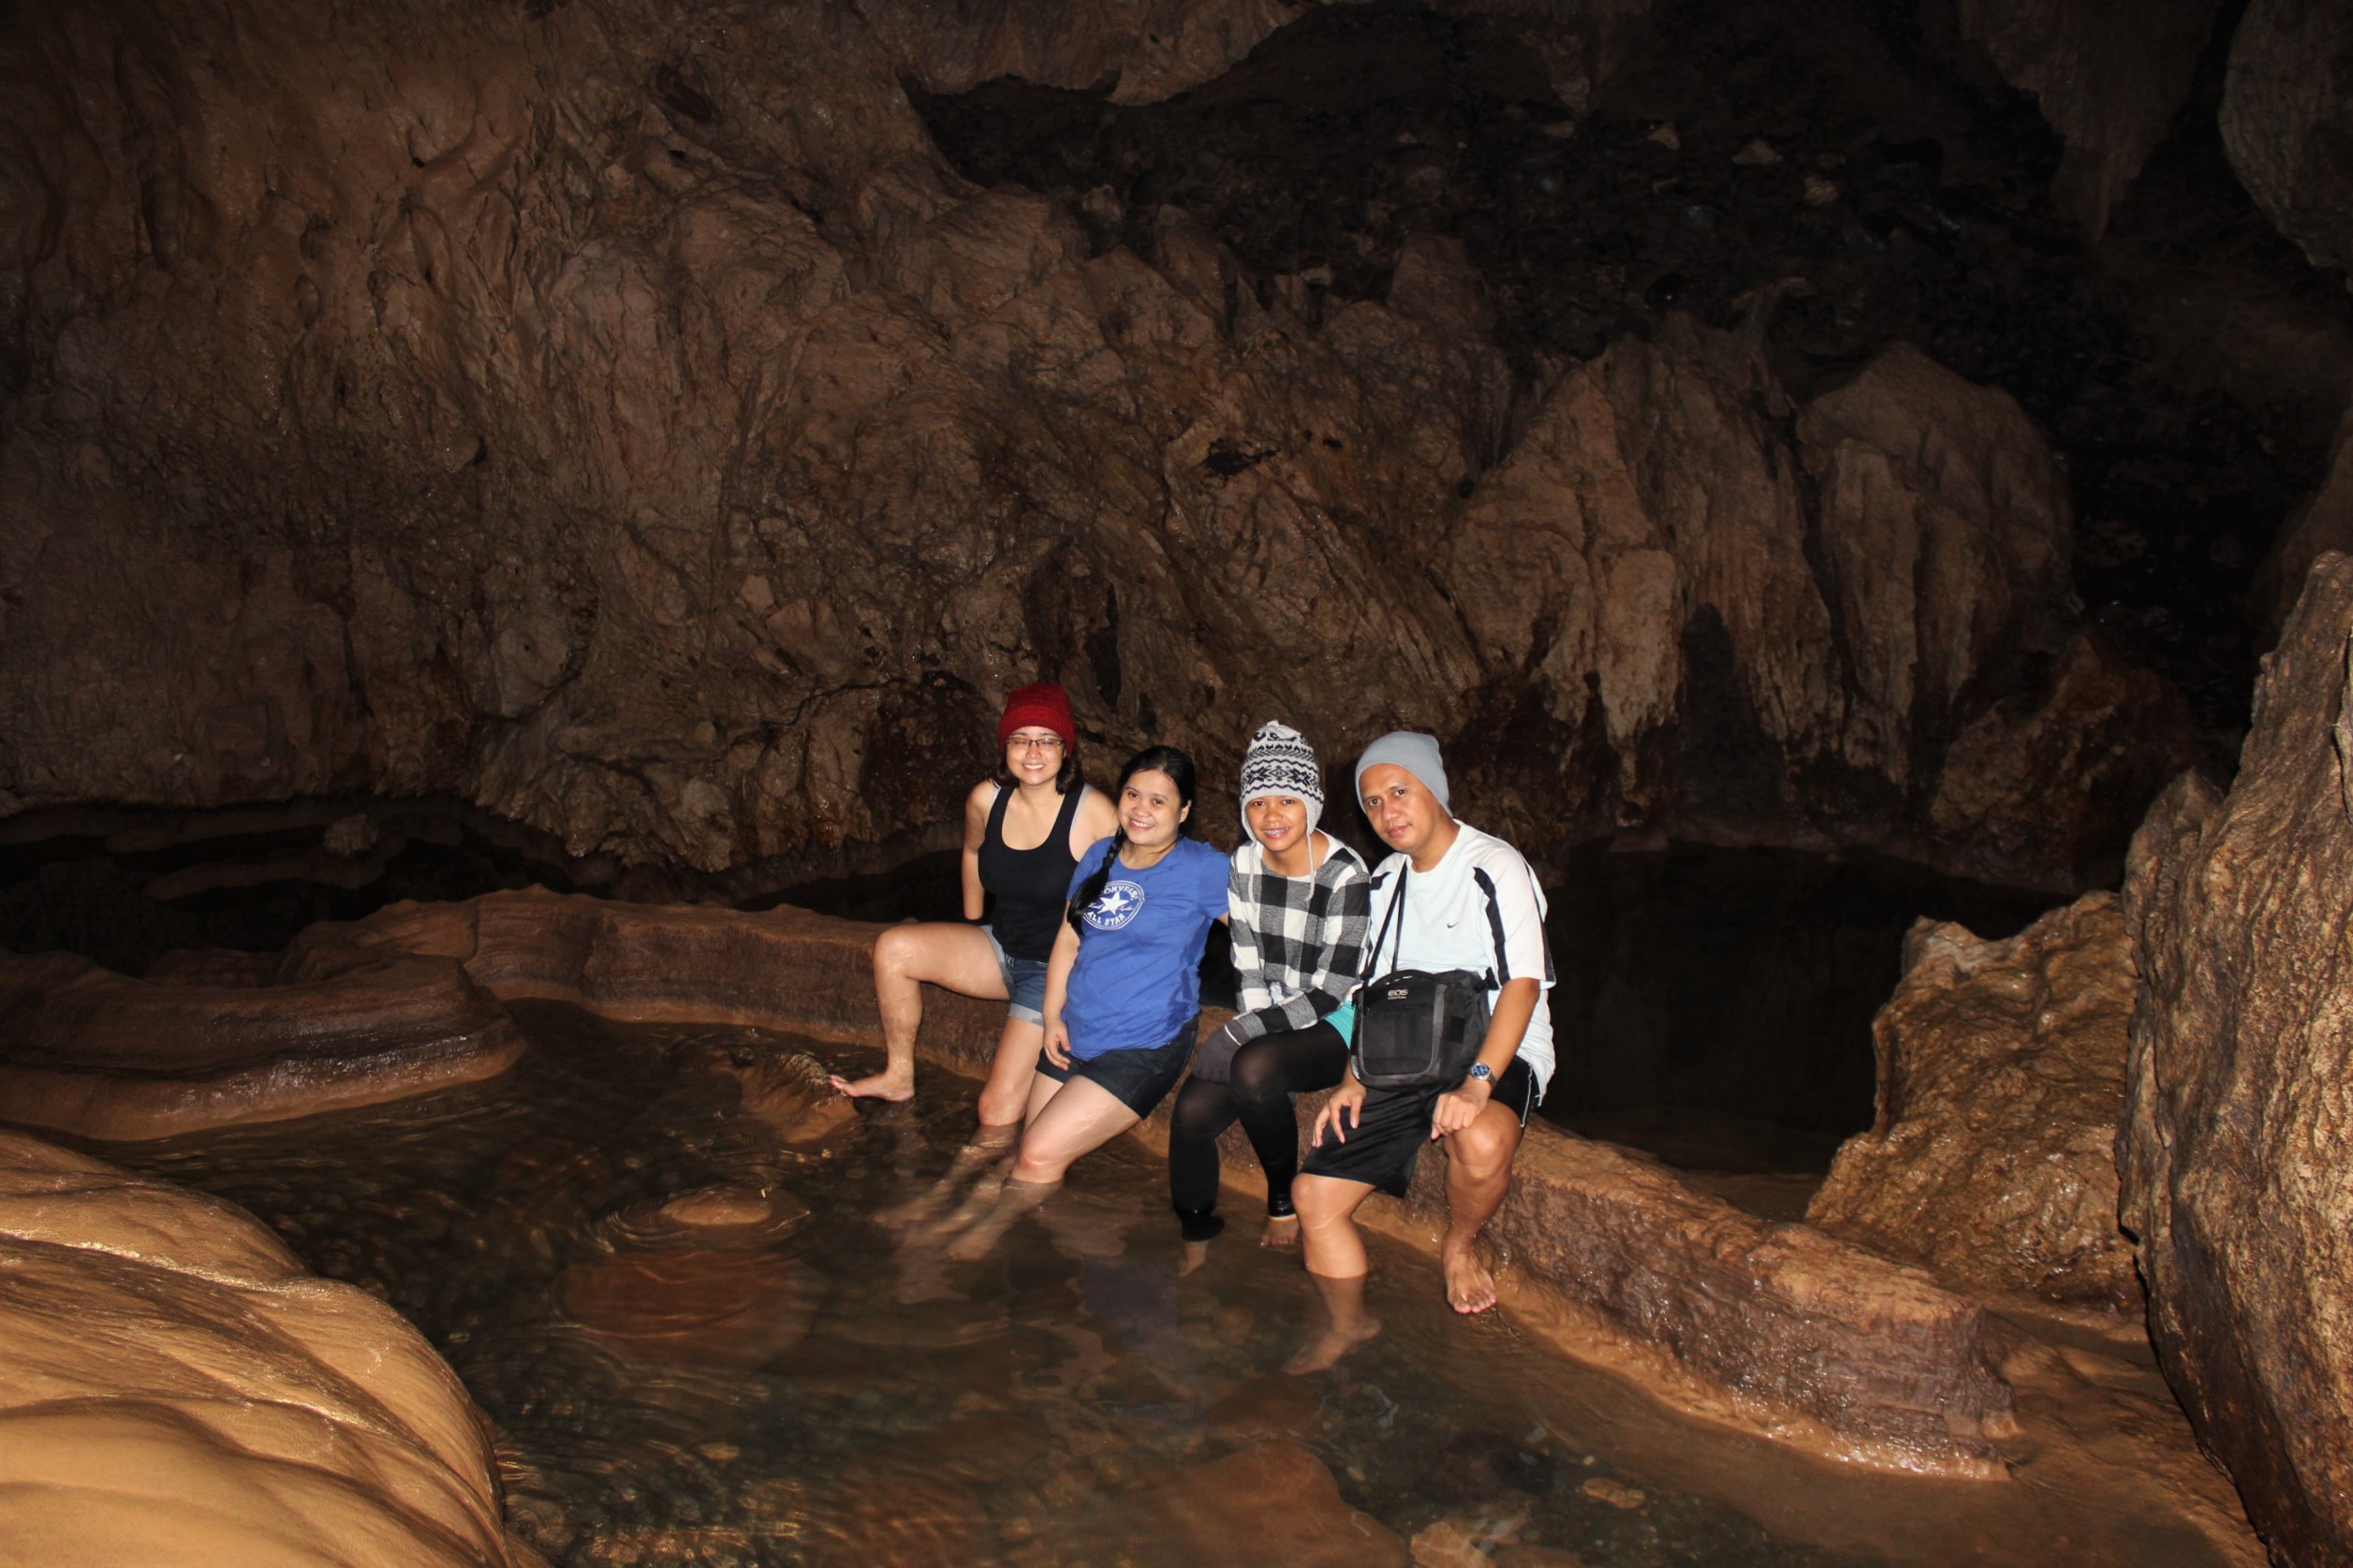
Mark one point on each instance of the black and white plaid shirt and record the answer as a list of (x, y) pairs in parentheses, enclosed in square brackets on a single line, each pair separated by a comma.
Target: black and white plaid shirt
[(1298, 942)]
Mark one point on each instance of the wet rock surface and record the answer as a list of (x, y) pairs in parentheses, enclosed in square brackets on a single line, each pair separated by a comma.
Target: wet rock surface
[(2287, 121), (229, 1039), (2001, 1084), (177, 1389), (2234, 1145), (527, 421)]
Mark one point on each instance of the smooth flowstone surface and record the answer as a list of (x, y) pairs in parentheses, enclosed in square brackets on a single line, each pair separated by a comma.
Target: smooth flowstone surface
[(176, 1388), (103, 1056)]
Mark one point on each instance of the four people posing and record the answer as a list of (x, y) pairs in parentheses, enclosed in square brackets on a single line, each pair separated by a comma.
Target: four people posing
[(1105, 997)]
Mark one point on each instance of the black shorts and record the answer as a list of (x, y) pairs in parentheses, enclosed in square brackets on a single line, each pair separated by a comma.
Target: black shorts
[(1392, 1126), (1139, 1078)]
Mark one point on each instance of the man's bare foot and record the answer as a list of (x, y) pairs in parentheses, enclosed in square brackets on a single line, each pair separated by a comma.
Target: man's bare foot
[(1470, 1285), (1325, 1349), (1281, 1233), (1196, 1253), (881, 1085)]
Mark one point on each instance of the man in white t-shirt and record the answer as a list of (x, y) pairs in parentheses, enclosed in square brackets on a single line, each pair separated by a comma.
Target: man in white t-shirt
[(1471, 903)]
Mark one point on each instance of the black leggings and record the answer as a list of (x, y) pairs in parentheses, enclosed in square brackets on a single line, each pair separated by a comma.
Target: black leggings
[(1267, 1071)]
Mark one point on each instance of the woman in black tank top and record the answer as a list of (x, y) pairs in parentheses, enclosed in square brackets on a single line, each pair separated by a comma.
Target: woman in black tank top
[(1024, 833)]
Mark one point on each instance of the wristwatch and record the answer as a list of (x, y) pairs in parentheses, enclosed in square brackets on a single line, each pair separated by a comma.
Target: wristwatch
[(1483, 1073)]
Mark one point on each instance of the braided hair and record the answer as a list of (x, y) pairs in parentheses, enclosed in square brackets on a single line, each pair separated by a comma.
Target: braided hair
[(1152, 759)]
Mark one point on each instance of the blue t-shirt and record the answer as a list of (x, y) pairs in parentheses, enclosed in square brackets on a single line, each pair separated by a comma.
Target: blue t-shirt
[(1139, 974)]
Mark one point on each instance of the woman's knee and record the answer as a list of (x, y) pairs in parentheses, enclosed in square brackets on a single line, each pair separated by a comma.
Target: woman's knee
[(897, 950), (1260, 1083), (1201, 1111)]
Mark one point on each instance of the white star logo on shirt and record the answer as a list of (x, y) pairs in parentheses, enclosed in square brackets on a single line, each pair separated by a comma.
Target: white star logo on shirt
[(1118, 905)]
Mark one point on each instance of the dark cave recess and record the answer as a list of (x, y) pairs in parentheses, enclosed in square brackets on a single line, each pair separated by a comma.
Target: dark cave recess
[(1834, 176)]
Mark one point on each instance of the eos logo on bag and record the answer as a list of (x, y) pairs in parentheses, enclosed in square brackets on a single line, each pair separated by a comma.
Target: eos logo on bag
[(1400, 993)]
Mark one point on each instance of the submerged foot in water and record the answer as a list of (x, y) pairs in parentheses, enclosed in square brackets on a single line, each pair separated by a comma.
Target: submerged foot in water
[(1347, 1325)]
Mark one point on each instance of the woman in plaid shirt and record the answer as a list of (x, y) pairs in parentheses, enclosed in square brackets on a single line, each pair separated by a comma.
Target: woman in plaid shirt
[(1298, 900)]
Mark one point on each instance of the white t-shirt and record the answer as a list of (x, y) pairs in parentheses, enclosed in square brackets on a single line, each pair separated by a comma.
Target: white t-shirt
[(1450, 922)]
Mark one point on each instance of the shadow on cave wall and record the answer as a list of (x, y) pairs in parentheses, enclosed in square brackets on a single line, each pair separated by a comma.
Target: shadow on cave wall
[(1832, 176)]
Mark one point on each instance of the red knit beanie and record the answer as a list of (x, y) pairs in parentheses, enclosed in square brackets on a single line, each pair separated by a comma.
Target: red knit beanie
[(1041, 703)]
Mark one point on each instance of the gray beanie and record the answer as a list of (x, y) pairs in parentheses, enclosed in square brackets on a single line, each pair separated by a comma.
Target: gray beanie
[(1281, 762), (1416, 752)]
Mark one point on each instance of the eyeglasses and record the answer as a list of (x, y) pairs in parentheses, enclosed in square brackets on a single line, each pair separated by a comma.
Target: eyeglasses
[(1033, 744)]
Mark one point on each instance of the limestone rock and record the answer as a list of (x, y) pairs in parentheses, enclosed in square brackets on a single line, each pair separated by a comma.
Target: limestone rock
[(106, 1057), (2110, 80), (1641, 562), (2288, 121), (658, 444), (176, 1390), (2001, 1083), (2236, 1141)]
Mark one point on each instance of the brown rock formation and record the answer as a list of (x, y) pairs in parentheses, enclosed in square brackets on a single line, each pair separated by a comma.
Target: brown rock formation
[(2001, 1082), (1639, 562), (93, 1054), (1790, 1328), (2288, 121), (2236, 1140), (176, 1390), (2108, 79), (643, 433)]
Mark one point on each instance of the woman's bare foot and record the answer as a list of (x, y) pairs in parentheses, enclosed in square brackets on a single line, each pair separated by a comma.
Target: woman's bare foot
[(885, 1085), (1470, 1285), (1281, 1233), (1325, 1349), (1195, 1255), (980, 1234)]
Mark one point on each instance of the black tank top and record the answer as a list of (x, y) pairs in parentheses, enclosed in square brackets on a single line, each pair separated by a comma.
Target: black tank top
[(1028, 887)]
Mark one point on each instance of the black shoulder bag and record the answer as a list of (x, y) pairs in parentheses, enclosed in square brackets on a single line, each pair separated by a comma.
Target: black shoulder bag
[(1414, 1029)]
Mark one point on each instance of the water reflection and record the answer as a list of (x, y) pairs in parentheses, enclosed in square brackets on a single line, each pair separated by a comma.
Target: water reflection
[(715, 1322)]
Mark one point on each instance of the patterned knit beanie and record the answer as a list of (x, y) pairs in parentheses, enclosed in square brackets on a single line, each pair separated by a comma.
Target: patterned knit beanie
[(1281, 762)]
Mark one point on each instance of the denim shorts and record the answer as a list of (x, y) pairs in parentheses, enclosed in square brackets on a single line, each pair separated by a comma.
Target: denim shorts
[(1025, 982)]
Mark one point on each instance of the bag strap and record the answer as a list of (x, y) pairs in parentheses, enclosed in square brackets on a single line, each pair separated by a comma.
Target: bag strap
[(1499, 972), (1396, 912)]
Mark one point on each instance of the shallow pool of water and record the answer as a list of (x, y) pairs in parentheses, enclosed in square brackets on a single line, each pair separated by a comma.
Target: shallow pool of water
[(798, 1382)]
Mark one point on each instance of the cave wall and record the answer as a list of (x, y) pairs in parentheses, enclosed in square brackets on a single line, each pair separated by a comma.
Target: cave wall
[(2235, 1140), (623, 417), (2287, 119)]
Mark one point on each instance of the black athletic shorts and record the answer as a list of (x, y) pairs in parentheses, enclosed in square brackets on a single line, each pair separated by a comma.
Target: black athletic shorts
[(1139, 1078), (1392, 1126)]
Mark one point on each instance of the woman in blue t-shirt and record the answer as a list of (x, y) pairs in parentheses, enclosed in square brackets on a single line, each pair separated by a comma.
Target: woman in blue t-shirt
[(1123, 988)]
